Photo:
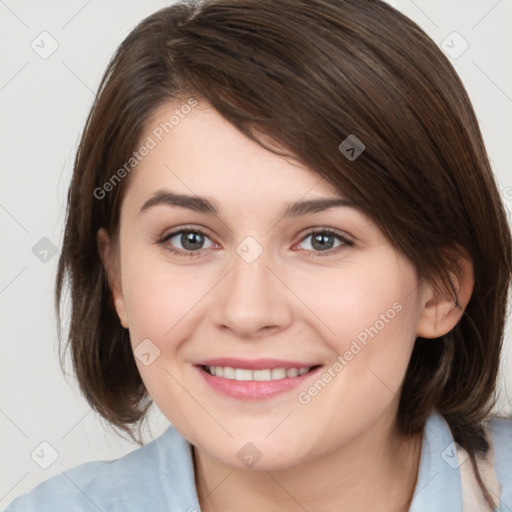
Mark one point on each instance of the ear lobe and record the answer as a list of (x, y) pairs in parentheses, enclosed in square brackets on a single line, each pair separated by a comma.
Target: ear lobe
[(442, 311), (106, 256)]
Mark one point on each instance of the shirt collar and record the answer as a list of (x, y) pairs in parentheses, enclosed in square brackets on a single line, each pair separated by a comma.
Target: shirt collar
[(439, 484)]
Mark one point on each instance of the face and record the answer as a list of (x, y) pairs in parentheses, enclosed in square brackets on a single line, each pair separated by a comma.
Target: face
[(258, 287)]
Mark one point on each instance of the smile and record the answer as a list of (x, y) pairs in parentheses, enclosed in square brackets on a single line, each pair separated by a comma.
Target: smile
[(242, 374), (255, 383)]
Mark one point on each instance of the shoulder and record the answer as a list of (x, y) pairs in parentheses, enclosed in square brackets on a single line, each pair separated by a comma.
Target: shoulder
[(501, 431), (132, 482)]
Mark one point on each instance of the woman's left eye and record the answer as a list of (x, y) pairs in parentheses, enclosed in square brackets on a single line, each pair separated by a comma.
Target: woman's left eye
[(192, 242), (323, 241)]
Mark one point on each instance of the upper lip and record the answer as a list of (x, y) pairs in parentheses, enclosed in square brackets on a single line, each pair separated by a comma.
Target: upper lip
[(254, 364)]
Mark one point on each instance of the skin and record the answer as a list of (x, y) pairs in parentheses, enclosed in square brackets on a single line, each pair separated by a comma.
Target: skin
[(294, 302)]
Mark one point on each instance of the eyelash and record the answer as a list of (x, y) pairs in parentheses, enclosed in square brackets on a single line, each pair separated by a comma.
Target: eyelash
[(194, 254)]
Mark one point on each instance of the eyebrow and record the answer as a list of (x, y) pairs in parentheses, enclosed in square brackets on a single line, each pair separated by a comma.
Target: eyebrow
[(203, 205)]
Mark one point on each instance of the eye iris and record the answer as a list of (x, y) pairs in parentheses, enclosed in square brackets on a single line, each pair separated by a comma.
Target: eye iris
[(321, 238), (191, 240)]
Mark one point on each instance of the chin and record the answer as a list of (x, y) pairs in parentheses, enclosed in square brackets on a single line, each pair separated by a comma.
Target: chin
[(258, 457)]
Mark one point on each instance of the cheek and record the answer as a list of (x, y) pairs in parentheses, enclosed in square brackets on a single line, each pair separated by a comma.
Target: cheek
[(368, 317), (159, 294), (163, 304), (375, 332), (360, 302)]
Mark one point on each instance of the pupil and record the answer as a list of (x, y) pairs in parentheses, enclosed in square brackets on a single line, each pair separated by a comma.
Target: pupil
[(192, 240), (321, 238)]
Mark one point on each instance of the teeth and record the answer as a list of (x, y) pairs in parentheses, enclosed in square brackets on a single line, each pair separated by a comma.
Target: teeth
[(261, 375), (242, 374), (278, 373), (228, 373)]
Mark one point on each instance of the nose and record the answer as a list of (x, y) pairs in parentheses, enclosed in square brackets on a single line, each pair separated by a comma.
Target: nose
[(253, 299)]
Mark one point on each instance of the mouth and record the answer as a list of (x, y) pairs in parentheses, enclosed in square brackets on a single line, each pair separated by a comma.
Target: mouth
[(255, 380), (262, 375)]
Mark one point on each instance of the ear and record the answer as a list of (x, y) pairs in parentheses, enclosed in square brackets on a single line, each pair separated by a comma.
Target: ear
[(441, 311), (107, 259)]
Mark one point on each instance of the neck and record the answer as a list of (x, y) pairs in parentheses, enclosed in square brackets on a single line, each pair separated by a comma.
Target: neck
[(372, 472)]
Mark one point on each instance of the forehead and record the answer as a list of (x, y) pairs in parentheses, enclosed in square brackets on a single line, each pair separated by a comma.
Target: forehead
[(196, 151)]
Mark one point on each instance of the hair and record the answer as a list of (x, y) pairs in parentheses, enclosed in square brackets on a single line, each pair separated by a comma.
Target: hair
[(306, 74)]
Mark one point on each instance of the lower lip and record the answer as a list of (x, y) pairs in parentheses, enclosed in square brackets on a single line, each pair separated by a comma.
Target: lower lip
[(254, 389)]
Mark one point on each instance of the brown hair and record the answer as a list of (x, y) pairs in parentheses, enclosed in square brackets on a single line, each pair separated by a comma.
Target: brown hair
[(306, 74)]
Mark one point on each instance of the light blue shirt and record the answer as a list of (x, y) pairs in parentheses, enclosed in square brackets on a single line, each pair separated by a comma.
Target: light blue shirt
[(159, 477)]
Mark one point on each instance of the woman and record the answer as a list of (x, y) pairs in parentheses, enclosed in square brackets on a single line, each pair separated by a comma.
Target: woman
[(283, 229)]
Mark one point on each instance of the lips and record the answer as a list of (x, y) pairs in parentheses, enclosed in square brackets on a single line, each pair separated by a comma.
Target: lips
[(255, 379)]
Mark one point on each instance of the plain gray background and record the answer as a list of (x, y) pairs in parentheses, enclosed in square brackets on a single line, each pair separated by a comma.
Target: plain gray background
[(44, 100)]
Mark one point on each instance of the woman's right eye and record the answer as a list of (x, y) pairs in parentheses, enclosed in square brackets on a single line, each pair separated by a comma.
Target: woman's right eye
[(191, 240)]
